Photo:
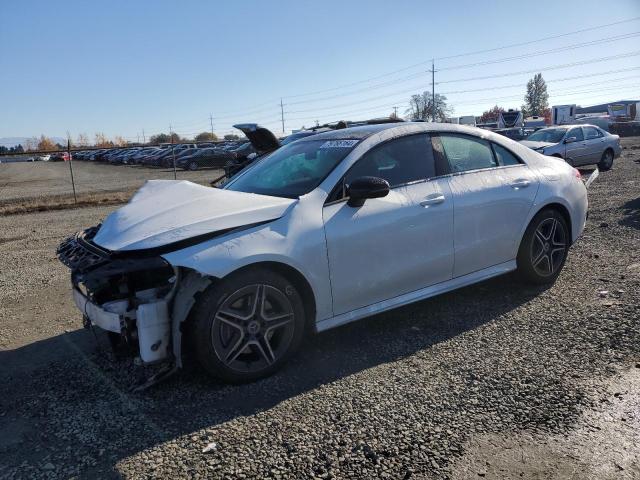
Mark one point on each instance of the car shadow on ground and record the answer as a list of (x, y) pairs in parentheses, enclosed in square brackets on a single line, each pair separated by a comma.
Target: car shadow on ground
[(631, 214), (191, 400)]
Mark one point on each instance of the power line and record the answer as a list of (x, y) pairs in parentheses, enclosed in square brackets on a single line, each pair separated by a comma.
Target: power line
[(545, 52), (479, 101), (553, 80), (500, 60), (530, 42), (503, 47), (544, 69)]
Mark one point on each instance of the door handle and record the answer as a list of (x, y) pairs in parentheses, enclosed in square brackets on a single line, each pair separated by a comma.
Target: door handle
[(432, 200), (520, 184)]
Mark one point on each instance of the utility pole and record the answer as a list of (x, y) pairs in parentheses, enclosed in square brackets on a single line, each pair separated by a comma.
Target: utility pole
[(73, 182), (395, 112), (282, 114), (143, 137), (433, 91), (211, 122)]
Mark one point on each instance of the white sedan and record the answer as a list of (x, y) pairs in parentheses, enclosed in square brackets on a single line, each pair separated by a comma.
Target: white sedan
[(320, 232)]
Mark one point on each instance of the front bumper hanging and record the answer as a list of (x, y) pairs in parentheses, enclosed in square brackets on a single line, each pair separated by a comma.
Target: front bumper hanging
[(127, 295)]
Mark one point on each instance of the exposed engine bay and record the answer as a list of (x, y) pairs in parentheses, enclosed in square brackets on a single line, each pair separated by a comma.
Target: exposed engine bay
[(127, 295)]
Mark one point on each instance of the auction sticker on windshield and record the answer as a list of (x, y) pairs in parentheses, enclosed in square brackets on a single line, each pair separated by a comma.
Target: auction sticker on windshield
[(339, 144)]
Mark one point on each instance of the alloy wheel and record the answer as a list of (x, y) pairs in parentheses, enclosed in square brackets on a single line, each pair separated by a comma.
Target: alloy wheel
[(548, 247), (253, 328)]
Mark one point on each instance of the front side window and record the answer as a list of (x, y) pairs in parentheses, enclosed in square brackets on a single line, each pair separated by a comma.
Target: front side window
[(466, 153), (399, 161), (591, 132), (294, 169), (576, 132)]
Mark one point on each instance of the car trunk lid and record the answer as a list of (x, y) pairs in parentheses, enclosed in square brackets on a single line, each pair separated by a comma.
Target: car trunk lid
[(262, 139)]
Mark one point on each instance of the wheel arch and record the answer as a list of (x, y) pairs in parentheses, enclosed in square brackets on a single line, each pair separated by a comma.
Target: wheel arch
[(294, 276), (558, 207), (609, 149)]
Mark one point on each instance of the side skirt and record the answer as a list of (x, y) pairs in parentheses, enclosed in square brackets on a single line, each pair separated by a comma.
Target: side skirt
[(417, 295)]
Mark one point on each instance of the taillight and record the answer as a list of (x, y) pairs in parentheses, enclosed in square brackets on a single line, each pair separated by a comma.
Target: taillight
[(577, 174)]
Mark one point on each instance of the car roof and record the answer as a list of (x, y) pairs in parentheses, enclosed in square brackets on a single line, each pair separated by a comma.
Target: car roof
[(364, 131), (352, 133)]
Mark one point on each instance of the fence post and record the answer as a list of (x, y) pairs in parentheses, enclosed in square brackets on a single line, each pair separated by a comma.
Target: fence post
[(73, 183), (173, 154)]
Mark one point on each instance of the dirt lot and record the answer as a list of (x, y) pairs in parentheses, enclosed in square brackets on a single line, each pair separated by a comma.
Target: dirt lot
[(497, 380), (27, 180)]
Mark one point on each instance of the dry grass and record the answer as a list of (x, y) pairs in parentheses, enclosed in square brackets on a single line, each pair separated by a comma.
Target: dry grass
[(63, 202)]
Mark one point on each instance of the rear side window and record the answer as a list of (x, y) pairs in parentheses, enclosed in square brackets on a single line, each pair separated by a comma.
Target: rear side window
[(466, 153), (591, 132), (504, 156), (398, 161)]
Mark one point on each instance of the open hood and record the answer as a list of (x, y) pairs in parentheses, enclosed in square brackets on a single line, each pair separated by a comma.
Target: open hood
[(262, 139), (163, 212), (536, 145)]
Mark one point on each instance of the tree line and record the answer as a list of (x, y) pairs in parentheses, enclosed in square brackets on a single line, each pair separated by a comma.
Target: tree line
[(424, 106)]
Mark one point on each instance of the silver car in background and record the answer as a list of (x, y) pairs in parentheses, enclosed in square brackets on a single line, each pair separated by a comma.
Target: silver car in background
[(578, 145)]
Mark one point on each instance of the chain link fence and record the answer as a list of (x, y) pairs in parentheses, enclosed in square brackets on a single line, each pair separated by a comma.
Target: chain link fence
[(35, 181)]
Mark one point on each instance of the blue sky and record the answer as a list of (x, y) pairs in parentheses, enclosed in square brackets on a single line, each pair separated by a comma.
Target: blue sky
[(119, 67)]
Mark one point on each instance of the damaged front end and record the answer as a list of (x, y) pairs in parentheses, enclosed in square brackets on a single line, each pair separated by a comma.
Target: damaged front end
[(128, 294)]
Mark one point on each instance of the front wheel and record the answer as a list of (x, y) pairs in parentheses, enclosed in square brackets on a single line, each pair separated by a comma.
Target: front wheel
[(248, 325), (544, 248), (606, 161), (193, 166)]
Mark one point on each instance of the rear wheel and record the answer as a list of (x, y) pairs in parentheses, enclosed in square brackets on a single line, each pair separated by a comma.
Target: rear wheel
[(544, 247), (606, 162), (248, 325), (193, 166)]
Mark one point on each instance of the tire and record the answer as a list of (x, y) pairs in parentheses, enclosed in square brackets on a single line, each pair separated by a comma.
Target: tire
[(544, 248), (606, 161), (193, 166), (233, 339)]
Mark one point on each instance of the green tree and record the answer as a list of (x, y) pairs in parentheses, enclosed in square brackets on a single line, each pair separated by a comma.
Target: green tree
[(231, 136), (422, 106), (206, 137), (159, 138), (164, 138), (536, 100)]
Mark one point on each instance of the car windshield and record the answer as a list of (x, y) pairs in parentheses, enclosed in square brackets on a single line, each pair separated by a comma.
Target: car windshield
[(550, 135), (296, 136), (293, 170)]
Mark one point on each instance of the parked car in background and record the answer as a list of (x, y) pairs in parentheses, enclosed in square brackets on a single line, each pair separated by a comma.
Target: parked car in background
[(60, 157), (578, 145), (321, 232), (215, 157), (43, 157)]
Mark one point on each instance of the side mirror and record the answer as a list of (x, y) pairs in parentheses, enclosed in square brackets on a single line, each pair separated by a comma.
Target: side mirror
[(366, 187), (570, 139)]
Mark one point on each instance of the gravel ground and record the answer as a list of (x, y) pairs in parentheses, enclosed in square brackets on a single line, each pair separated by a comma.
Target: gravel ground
[(497, 380), (23, 180)]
